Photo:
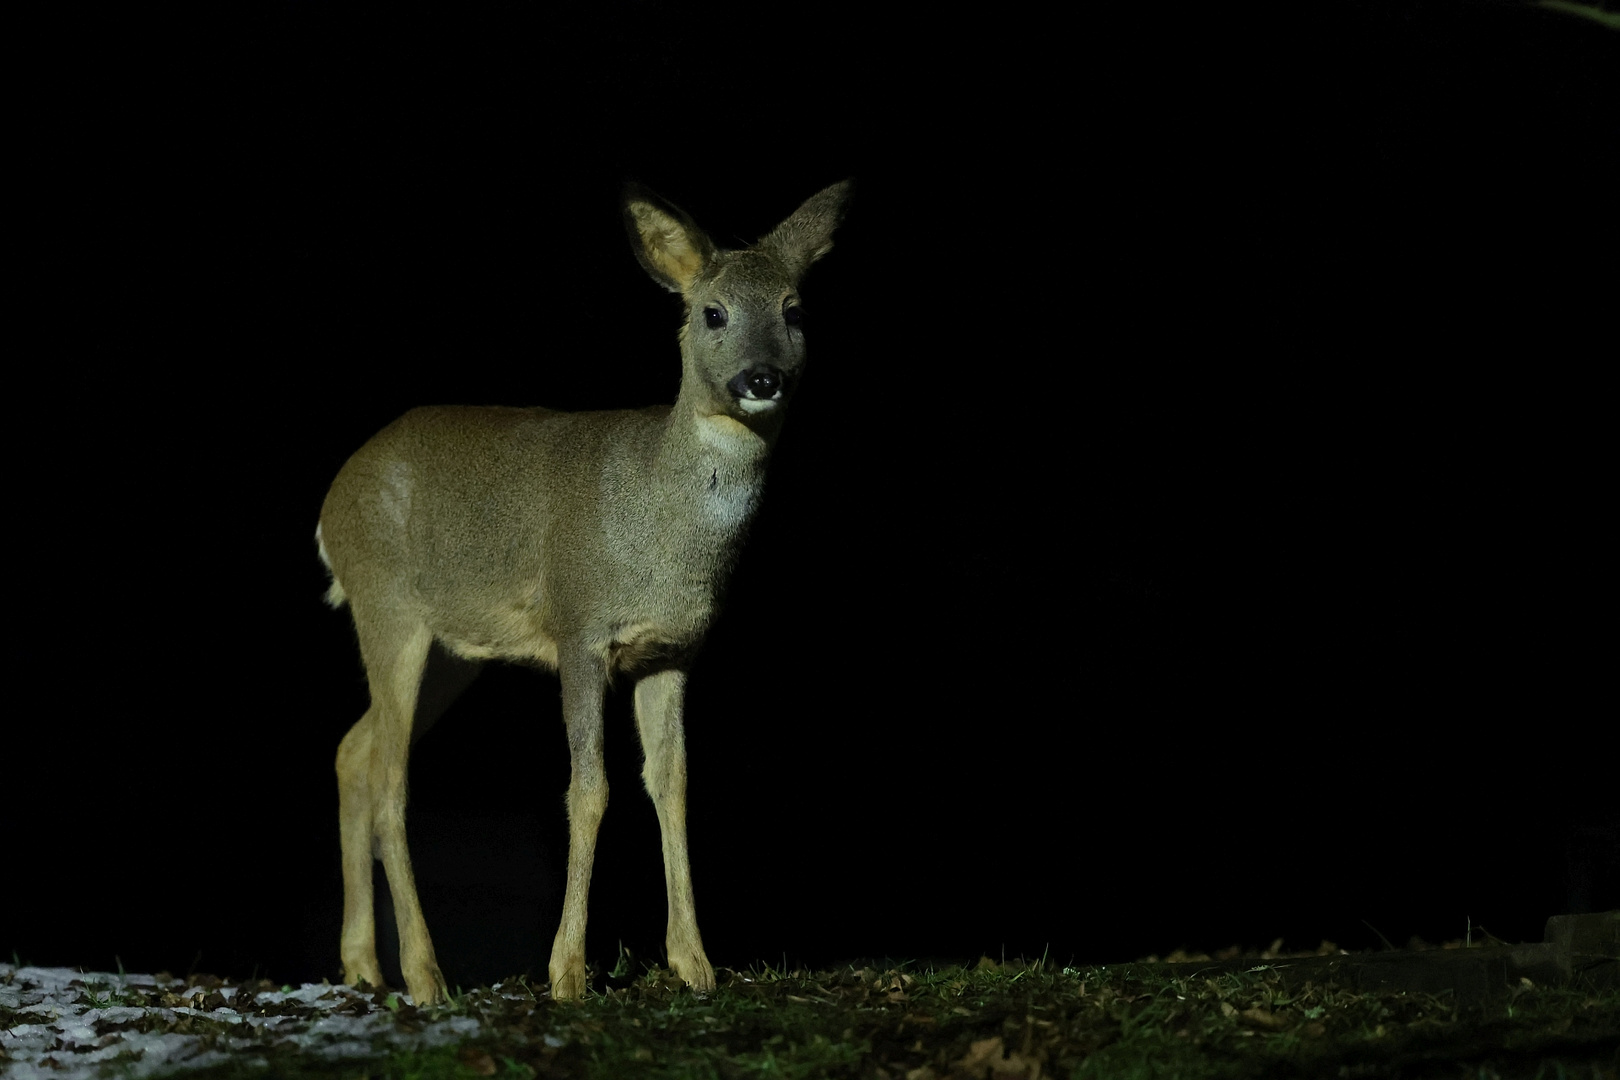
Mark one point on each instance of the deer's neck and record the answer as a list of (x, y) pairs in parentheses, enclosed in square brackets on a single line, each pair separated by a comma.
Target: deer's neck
[(713, 464)]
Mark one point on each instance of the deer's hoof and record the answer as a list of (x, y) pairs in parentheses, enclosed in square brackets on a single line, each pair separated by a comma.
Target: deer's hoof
[(427, 987), (695, 971), (362, 973), (568, 981)]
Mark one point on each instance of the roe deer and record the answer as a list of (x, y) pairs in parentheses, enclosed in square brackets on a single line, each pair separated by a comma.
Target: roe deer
[(592, 543)]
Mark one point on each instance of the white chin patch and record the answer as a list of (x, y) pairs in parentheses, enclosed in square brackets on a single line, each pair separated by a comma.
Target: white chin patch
[(755, 405)]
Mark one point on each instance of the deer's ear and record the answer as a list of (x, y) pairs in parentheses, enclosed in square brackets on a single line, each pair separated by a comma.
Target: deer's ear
[(807, 235), (667, 244)]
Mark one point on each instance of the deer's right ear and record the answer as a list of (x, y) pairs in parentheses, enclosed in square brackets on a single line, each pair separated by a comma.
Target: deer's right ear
[(666, 242)]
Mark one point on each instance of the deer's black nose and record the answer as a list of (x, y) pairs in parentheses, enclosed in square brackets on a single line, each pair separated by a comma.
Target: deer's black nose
[(762, 383)]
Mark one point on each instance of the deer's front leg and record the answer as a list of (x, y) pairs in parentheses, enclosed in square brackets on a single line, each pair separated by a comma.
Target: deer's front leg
[(659, 718), (583, 678)]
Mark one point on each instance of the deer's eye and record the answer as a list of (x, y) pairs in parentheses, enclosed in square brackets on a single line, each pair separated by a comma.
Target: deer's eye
[(714, 318), (793, 315)]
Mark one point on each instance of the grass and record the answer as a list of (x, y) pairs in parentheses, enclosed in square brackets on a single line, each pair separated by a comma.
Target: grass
[(990, 1021)]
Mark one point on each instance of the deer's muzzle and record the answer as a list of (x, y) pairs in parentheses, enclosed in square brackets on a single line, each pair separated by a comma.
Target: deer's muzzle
[(760, 383)]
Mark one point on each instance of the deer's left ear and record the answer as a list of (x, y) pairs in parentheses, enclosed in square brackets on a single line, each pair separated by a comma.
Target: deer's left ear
[(807, 235)]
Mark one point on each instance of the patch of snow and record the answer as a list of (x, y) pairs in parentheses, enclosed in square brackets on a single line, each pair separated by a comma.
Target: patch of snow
[(61, 1037)]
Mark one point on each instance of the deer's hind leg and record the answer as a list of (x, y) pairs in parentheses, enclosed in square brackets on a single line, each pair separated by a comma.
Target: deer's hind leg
[(359, 943), (371, 765)]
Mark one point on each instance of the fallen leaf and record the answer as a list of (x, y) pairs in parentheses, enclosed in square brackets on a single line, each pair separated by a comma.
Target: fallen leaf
[(477, 1060), (988, 1059), (1264, 1018)]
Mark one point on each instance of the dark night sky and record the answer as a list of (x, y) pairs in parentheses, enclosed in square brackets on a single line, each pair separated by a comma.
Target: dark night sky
[(1187, 533)]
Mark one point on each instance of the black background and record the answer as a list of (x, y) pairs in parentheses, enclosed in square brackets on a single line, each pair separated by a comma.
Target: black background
[(1189, 531)]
